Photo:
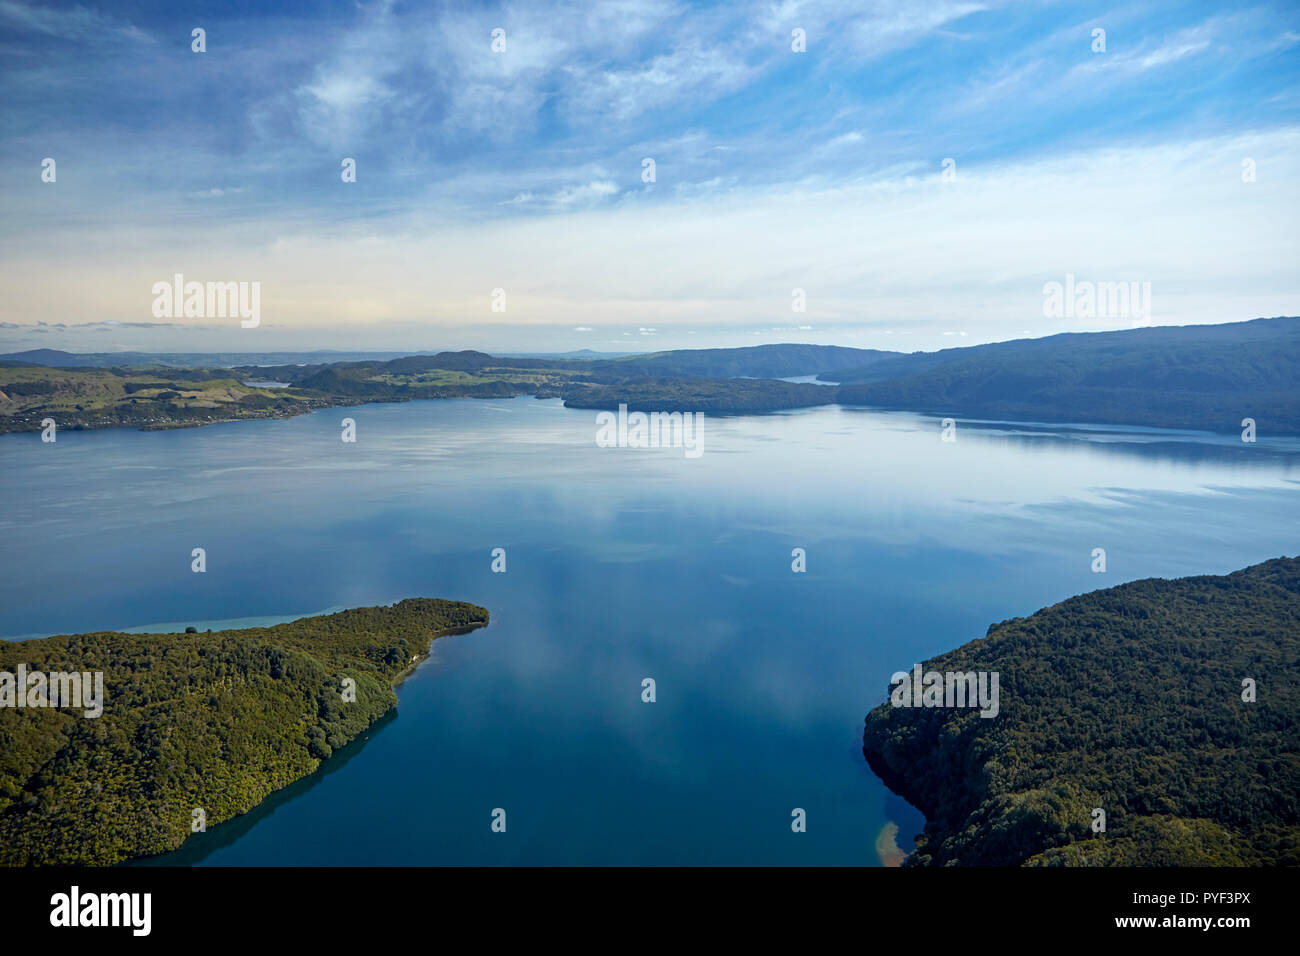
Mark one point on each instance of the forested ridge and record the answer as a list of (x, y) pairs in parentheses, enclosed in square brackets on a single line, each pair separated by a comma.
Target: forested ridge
[(1130, 700), (1206, 377), (215, 720)]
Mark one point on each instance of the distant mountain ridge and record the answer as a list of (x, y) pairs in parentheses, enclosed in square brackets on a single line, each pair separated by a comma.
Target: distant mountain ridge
[(755, 361), (1198, 377), (1210, 378), (57, 358)]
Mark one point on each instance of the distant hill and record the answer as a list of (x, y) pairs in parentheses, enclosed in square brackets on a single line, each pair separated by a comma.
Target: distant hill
[(756, 361), (575, 354), (1204, 377), (56, 358), (1128, 700), (59, 359), (156, 397), (1201, 377)]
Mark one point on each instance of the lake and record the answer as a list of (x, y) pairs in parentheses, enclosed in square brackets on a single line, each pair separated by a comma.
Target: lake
[(622, 564)]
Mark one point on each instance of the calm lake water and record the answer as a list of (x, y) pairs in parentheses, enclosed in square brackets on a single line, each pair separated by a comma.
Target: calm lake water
[(621, 564)]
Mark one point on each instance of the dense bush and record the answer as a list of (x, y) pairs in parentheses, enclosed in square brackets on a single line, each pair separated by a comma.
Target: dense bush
[(216, 720), (1127, 699)]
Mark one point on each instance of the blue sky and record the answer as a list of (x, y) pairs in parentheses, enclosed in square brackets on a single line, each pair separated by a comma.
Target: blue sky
[(522, 170)]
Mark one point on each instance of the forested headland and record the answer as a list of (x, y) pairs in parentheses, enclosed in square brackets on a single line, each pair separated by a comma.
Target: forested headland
[(215, 721), (1130, 701)]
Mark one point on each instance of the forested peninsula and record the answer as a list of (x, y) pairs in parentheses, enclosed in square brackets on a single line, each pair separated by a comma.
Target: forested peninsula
[(1131, 701), (215, 721)]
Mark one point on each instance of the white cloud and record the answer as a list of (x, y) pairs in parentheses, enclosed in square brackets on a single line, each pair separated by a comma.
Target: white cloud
[(693, 70), (1172, 52), (70, 23), (597, 189), (903, 253), (846, 204)]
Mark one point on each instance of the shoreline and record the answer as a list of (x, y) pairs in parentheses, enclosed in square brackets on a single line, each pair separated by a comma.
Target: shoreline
[(321, 766), (973, 419), (279, 687), (1026, 787)]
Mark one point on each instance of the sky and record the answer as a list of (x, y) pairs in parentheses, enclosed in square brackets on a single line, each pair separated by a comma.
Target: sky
[(899, 174)]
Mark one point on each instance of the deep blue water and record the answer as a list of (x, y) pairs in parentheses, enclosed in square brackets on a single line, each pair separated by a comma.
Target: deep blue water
[(622, 564)]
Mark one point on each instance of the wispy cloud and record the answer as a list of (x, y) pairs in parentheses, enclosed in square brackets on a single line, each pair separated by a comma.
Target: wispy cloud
[(69, 23), (522, 167)]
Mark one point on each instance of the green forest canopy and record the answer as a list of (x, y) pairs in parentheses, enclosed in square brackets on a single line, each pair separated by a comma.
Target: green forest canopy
[(217, 720), (1127, 699)]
